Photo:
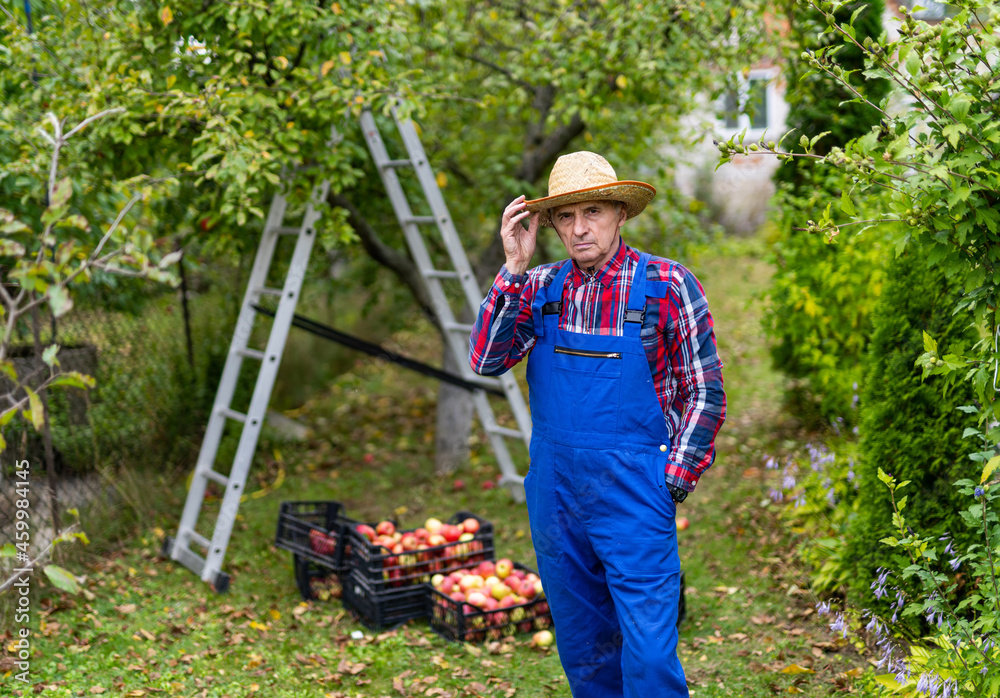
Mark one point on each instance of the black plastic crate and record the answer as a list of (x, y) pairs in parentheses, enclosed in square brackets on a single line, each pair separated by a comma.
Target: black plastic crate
[(457, 621), (382, 569), (315, 531), (316, 582), (383, 609)]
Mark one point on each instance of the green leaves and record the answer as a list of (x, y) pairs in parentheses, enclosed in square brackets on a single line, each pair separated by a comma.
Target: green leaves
[(59, 300), (35, 412), (61, 578), (49, 355)]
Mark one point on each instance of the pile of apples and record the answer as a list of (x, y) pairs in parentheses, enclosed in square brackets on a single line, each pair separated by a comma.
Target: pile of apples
[(413, 556), (494, 599)]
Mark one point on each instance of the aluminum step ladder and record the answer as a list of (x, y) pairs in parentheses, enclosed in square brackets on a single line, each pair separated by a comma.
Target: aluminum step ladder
[(461, 271), (208, 565)]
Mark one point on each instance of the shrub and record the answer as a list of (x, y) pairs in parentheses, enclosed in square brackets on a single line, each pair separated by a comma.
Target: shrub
[(820, 302), (908, 428)]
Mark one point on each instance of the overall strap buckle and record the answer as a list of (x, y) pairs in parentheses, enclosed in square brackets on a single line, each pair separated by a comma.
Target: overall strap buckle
[(636, 316)]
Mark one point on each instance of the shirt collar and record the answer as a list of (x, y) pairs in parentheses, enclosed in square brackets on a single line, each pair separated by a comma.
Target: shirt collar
[(606, 274)]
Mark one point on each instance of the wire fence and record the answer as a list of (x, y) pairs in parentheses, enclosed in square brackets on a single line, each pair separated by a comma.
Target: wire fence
[(133, 337)]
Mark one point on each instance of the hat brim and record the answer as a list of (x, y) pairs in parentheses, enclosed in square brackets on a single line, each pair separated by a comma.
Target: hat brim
[(635, 195)]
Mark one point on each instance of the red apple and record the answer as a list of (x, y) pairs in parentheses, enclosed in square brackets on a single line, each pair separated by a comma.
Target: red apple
[(477, 598), (385, 528), (421, 533), (450, 532), (436, 539), (437, 580), (433, 525), (457, 596), (470, 525), (488, 485), (682, 523), (409, 541), (447, 585), (369, 458), (366, 530), (458, 485), (485, 568)]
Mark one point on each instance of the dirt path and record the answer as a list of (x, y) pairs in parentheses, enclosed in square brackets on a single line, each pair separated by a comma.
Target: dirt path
[(752, 628)]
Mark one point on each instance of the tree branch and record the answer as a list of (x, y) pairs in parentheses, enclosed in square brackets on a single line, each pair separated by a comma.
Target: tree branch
[(494, 67), (400, 264)]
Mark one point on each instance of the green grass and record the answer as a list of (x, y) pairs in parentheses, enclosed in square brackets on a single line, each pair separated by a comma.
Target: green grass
[(144, 624)]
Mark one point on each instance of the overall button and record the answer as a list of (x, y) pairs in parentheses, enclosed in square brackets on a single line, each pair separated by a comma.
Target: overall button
[(663, 448)]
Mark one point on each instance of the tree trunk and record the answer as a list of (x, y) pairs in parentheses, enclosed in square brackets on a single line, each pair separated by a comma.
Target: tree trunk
[(454, 421)]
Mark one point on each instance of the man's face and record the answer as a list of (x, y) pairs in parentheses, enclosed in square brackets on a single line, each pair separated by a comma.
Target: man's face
[(589, 230)]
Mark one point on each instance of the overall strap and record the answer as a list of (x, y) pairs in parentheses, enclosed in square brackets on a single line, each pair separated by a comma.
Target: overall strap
[(635, 310), (541, 305)]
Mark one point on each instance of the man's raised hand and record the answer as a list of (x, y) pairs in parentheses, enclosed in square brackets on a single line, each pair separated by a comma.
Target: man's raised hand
[(518, 241)]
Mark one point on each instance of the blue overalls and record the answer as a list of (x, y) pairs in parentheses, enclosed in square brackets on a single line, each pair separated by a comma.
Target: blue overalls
[(602, 520)]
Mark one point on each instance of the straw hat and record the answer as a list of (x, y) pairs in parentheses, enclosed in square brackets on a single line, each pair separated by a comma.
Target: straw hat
[(586, 176)]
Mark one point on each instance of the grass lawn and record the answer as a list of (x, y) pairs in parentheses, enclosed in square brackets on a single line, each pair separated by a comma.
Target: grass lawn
[(144, 626)]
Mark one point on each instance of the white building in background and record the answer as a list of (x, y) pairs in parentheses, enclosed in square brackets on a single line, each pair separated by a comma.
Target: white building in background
[(739, 193)]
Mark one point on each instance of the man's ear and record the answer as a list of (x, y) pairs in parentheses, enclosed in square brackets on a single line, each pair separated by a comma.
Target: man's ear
[(622, 214)]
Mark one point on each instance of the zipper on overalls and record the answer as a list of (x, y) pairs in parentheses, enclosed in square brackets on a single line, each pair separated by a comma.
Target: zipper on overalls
[(589, 354)]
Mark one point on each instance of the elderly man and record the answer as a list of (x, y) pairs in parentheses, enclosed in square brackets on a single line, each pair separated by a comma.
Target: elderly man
[(626, 400)]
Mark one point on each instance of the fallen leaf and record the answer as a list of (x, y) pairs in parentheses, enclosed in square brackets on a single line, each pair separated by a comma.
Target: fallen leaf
[(126, 608), (97, 689), (796, 669)]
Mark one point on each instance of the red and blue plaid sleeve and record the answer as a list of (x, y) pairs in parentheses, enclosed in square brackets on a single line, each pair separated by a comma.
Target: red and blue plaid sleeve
[(504, 331), (689, 374)]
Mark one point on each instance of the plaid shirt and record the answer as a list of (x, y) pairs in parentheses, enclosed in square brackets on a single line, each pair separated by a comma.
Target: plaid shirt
[(677, 334)]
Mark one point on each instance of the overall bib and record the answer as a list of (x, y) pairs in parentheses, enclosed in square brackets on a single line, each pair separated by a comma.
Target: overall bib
[(602, 520)]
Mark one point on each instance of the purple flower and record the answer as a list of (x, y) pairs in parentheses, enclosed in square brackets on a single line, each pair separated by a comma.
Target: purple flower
[(776, 495), (823, 607), (771, 463), (838, 625), (788, 483), (928, 684), (978, 492)]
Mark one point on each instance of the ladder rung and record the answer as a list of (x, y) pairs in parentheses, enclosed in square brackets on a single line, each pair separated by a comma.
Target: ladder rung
[(251, 353), (504, 431), (268, 291), (218, 477), (200, 539), (233, 414), (285, 230), (440, 274), (458, 327), (420, 219), (398, 163)]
